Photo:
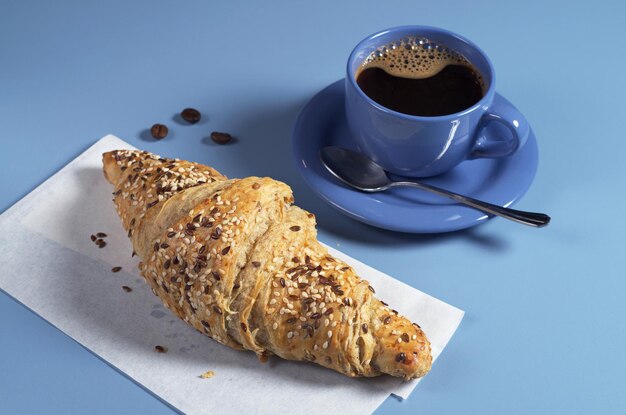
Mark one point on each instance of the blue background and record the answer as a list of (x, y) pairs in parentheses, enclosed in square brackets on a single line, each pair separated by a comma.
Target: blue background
[(545, 325)]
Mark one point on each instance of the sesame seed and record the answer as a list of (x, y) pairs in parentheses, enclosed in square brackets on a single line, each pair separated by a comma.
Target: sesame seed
[(126, 288), (275, 326), (414, 336), (329, 334), (290, 335), (116, 269), (325, 345)]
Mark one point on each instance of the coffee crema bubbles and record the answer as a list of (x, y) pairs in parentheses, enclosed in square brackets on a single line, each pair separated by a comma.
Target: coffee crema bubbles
[(414, 57)]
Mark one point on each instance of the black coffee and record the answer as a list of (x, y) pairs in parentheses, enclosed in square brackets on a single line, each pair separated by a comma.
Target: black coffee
[(418, 77)]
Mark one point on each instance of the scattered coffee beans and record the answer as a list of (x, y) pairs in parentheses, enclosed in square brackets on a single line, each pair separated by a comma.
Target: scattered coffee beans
[(191, 115), (159, 131), (221, 138)]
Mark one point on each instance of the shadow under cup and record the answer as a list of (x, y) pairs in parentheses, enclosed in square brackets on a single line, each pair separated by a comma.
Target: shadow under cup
[(419, 146)]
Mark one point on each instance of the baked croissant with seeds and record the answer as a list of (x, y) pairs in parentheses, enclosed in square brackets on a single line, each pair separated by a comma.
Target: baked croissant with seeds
[(240, 263)]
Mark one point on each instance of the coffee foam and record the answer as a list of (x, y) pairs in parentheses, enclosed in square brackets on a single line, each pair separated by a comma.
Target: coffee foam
[(414, 57)]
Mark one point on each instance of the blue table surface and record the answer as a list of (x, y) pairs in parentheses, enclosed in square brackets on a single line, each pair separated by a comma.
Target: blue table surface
[(545, 309)]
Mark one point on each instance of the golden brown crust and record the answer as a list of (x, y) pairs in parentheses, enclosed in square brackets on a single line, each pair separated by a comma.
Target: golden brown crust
[(240, 263)]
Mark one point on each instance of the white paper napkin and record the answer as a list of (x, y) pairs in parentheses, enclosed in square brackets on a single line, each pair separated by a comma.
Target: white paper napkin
[(52, 267)]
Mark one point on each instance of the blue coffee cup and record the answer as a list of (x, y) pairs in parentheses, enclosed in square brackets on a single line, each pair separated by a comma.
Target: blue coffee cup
[(423, 146)]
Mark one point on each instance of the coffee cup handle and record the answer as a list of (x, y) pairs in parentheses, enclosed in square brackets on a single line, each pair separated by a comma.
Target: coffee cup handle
[(506, 114)]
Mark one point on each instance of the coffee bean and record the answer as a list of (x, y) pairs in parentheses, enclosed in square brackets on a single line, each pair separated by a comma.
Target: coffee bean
[(191, 115), (159, 131), (221, 138)]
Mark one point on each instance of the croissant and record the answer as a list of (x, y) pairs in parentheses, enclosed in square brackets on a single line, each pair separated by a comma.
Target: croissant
[(239, 262)]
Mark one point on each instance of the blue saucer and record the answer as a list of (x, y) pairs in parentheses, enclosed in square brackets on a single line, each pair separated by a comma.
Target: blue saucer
[(500, 181)]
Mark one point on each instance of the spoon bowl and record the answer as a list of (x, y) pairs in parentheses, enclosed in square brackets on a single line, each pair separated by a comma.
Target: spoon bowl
[(354, 169)]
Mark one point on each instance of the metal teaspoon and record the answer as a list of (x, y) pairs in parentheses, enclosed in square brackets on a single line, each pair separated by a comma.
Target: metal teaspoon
[(361, 173)]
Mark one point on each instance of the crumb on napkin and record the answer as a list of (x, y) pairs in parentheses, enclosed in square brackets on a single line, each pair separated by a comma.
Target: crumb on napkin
[(207, 375)]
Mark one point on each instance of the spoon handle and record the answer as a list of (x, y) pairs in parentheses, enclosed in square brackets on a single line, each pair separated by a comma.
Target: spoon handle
[(527, 218)]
